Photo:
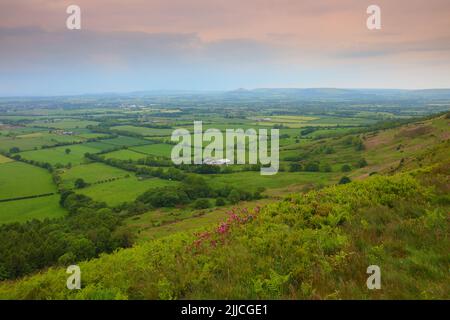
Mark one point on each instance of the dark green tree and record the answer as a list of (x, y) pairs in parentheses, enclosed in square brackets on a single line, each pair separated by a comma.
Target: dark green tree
[(80, 183)]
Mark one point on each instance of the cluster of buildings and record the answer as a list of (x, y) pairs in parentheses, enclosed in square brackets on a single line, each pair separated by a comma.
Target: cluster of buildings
[(64, 133)]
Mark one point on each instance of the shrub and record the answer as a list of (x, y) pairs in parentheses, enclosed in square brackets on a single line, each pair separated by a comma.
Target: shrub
[(201, 203), (234, 196), (80, 183), (362, 163), (295, 167), (312, 167), (345, 180), (220, 202)]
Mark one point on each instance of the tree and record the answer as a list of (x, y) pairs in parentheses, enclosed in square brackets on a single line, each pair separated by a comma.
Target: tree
[(68, 151), (80, 183), (196, 187), (81, 248), (64, 196), (14, 150), (67, 258), (345, 180), (164, 197)]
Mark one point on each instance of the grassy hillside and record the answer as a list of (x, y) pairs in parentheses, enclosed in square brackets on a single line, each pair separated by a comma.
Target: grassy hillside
[(310, 246)]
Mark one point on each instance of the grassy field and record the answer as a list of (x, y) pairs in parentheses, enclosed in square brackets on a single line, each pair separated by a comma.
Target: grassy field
[(123, 190), (157, 149), (91, 135), (123, 141), (6, 130), (64, 124), (252, 180), (4, 159), (293, 121), (59, 155), (35, 140), (288, 121), (90, 173), (144, 131), (124, 155), (19, 179), (28, 209)]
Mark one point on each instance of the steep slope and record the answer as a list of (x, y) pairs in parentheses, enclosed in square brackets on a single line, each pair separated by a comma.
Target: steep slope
[(410, 146)]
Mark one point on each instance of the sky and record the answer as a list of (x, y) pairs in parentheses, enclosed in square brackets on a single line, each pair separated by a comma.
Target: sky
[(138, 45)]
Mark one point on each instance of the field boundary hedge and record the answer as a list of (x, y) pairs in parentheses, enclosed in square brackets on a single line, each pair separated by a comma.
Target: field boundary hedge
[(29, 197)]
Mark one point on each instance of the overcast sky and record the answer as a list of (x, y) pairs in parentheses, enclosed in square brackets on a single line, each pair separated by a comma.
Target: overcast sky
[(221, 45)]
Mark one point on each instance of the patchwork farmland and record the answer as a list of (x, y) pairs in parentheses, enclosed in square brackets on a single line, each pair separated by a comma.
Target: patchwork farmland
[(83, 184)]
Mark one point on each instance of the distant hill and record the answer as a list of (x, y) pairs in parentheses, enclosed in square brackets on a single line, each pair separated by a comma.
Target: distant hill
[(335, 93), (303, 93)]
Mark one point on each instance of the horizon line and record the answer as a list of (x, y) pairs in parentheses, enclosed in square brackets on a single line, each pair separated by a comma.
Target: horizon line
[(212, 91)]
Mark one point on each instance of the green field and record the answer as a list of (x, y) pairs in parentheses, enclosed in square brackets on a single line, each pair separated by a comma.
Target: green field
[(58, 154), (123, 141), (253, 180), (144, 131), (4, 159), (124, 155), (17, 130), (19, 179), (35, 140), (64, 124), (90, 173), (28, 209), (91, 135), (287, 121), (157, 149), (123, 190)]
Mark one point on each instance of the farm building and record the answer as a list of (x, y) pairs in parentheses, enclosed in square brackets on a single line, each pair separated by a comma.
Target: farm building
[(217, 162)]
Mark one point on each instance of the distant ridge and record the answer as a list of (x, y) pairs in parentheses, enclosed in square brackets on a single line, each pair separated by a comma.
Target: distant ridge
[(292, 93), (340, 93)]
